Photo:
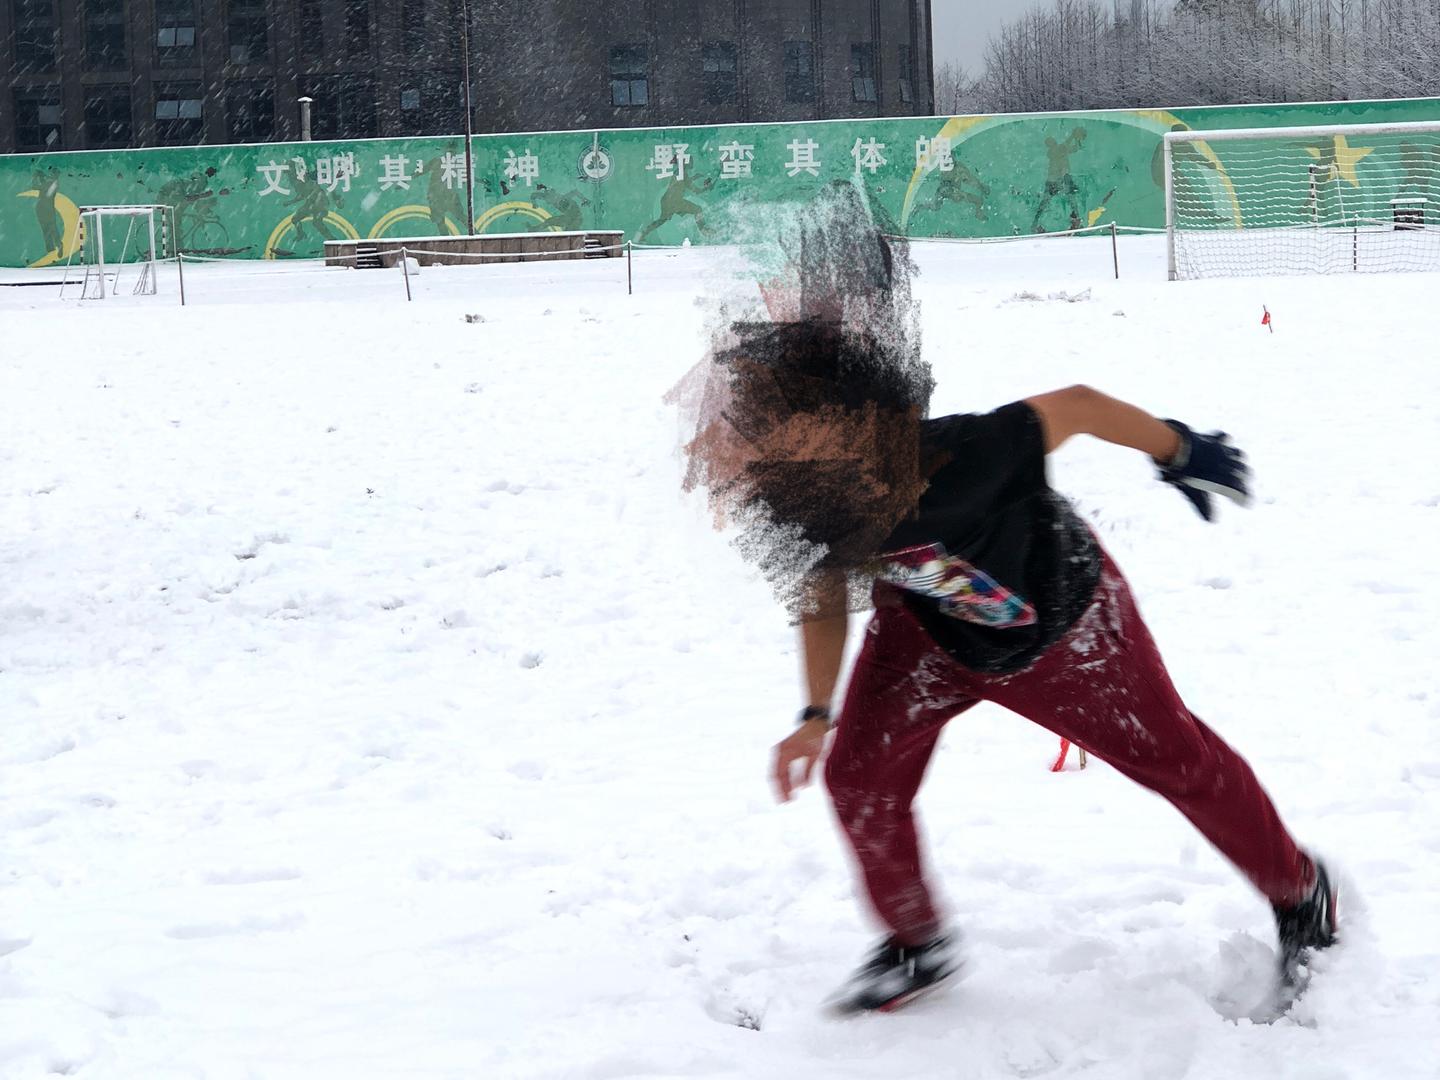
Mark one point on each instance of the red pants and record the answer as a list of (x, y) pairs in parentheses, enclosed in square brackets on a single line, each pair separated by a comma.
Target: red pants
[(1103, 686)]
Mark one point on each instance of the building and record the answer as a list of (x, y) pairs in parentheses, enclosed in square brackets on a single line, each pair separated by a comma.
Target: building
[(658, 62), (88, 74)]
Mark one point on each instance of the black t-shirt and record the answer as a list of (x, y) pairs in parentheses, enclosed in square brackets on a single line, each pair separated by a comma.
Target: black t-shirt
[(996, 565)]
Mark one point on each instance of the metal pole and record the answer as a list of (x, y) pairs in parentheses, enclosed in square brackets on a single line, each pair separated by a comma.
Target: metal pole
[(405, 269), (179, 255), (100, 250), (79, 226), (1114, 250), (469, 134), (1169, 209), (305, 103), (154, 266), (629, 269)]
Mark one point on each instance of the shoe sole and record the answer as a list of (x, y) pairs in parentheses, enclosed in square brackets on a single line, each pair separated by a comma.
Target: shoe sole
[(896, 1004), (1332, 915)]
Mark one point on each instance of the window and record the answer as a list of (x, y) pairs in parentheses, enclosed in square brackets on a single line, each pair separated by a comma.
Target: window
[(250, 110), (722, 85), (175, 26), (34, 36), (436, 106), (412, 27), (907, 75), (799, 71), (312, 28), (248, 30), (629, 84), (862, 72), (37, 120), (179, 114), (442, 94), (107, 116), (105, 35), (344, 106), (357, 27)]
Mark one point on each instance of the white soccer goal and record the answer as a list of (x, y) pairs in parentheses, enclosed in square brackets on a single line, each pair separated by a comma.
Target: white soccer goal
[(1303, 200), (104, 261)]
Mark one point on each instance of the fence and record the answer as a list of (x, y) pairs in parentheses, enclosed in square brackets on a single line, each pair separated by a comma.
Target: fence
[(937, 177)]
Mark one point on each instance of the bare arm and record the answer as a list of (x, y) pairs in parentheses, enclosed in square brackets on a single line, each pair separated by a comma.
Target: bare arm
[(1081, 410), (822, 649)]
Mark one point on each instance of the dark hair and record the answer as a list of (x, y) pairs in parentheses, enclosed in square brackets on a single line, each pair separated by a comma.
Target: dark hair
[(840, 349), (815, 363)]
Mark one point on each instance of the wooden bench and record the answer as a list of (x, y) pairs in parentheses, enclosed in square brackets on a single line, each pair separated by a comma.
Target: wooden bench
[(461, 250)]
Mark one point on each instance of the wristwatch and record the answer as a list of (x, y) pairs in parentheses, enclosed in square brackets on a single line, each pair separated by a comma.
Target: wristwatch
[(815, 712)]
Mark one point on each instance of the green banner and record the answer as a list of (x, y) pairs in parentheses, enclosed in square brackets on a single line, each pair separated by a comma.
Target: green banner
[(968, 176)]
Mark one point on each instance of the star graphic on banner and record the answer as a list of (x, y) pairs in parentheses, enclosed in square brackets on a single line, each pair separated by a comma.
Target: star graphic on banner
[(1346, 157)]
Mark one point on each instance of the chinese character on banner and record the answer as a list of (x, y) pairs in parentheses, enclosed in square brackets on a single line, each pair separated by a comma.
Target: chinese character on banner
[(802, 157), (736, 159), (274, 173), (393, 172), (669, 160), (331, 172), (452, 170), (525, 167), (868, 155), (934, 153)]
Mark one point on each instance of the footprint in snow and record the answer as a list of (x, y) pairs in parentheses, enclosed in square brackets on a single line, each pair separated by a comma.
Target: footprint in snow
[(252, 875), (51, 748), (13, 945), (241, 928)]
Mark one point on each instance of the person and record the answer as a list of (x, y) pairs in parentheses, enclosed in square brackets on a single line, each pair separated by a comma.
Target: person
[(987, 585)]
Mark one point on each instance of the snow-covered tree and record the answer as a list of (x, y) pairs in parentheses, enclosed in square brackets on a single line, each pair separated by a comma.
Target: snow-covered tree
[(1091, 54)]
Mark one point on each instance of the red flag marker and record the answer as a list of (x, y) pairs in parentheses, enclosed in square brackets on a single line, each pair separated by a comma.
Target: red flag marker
[(1266, 320), (1059, 763)]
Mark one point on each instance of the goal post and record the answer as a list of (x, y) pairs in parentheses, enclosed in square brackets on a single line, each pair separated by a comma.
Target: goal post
[(113, 237), (1360, 198)]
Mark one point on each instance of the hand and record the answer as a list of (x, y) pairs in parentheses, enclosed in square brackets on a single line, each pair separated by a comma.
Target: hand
[(1206, 465), (804, 747)]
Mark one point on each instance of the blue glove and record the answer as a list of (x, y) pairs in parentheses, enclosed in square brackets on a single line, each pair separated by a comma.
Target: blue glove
[(1206, 465)]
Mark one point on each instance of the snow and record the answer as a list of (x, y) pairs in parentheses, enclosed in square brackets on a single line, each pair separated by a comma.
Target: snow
[(375, 706)]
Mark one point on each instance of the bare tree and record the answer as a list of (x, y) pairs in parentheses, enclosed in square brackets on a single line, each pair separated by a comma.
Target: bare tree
[(1084, 54), (955, 91)]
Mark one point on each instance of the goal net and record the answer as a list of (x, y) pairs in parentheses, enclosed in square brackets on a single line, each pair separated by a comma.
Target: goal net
[(115, 244), (1303, 200)]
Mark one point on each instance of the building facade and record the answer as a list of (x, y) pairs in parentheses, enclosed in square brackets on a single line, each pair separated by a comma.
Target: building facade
[(92, 74), (650, 63)]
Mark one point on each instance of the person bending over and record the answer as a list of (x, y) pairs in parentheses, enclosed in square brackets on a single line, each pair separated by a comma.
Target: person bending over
[(987, 586)]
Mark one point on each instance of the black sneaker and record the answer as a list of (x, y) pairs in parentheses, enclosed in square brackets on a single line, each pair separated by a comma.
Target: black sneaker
[(1308, 925), (896, 975)]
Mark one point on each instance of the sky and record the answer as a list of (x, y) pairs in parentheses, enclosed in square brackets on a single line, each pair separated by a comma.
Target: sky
[(962, 27)]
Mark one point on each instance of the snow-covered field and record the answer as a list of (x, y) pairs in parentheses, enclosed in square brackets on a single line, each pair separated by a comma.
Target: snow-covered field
[(374, 706)]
